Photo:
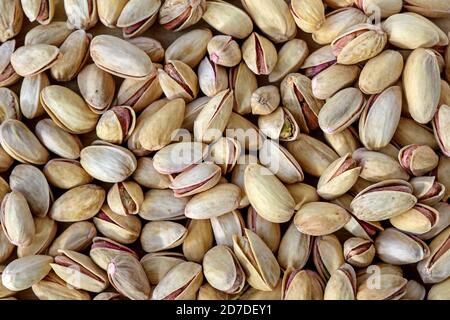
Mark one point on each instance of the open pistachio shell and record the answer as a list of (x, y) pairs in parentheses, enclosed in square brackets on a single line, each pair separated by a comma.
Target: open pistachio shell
[(31, 60), (82, 14), (435, 268), (201, 177), (8, 75), (116, 124), (327, 255), (137, 16), (162, 235), (77, 237), (103, 250), (440, 126), (342, 284), (138, 94)]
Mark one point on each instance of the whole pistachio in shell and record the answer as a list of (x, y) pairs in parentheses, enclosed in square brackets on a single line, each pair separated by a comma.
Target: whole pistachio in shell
[(178, 15), (22, 273), (223, 271), (224, 51), (146, 175), (77, 237), (390, 287), (327, 255), (418, 220), (418, 159), (82, 14), (435, 267), (265, 100), (137, 16), (342, 284), (53, 33), (116, 124), (125, 198), (309, 15), (359, 252), (428, 190), (178, 80), (8, 75), (31, 60), (178, 157), (198, 241), (259, 54), (290, 58), (410, 132), (199, 178), (65, 173), (162, 205), (440, 291), (440, 128), (45, 232), (103, 250), (243, 83), (11, 19), (227, 225), (151, 46), (156, 265), (268, 231), (30, 104), (9, 105), (212, 78), (296, 285), (295, 248), (162, 235), (109, 12)]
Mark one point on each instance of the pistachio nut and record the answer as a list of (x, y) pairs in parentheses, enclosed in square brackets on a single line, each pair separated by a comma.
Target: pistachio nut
[(243, 83), (66, 174), (296, 285), (151, 46), (137, 16), (199, 178), (8, 75), (308, 15), (225, 152), (54, 288), (418, 220), (31, 60), (410, 132), (227, 225), (9, 105), (162, 235), (108, 12), (11, 19), (295, 248), (359, 252), (362, 229), (290, 58), (198, 241), (125, 198), (383, 200), (370, 275), (53, 33), (212, 78), (224, 51), (342, 284), (192, 110), (178, 157), (346, 141), (82, 14), (440, 127), (156, 265), (24, 272), (268, 231), (327, 255), (428, 190), (178, 15), (238, 176), (45, 232), (391, 287), (162, 205), (259, 54), (439, 291), (30, 104), (116, 124), (418, 159), (78, 204), (178, 80), (261, 267), (302, 194), (146, 175), (103, 250), (435, 267), (343, 75), (77, 237), (6, 248), (443, 222), (265, 100)]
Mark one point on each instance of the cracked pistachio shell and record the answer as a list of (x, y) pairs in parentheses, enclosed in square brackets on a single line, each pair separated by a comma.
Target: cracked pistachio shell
[(57, 140), (9, 105), (178, 157), (359, 252), (8, 75), (151, 46), (279, 125), (268, 231), (361, 229), (214, 202), (440, 291), (381, 72), (138, 16), (41, 11), (418, 159), (178, 15), (238, 176), (123, 229), (53, 33), (428, 190), (260, 265), (147, 176), (6, 248), (309, 15), (378, 167), (22, 273), (227, 225), (298, 98), (346, 141), (295, 248), (108, 12), (278, 160), (302, 193), (120, 58), (67, 109), (156, 265), (32, 184), (192, 110), (410, 132), (16, 219), (54, 288), (21, 144), (125, 198), (443, 222), (82, 14), (390, 287), (412, 31), (11, 18), (290, 58), (212, 78), (199, 178), (108, 162), (318, 61), (78, 204), (267, 194), (421, 82), (225, 152), (313, 155), (418, 220), (296, 285), (327, 255), (441, 128), (138, 94), (273, 18), (336, 22), (358, 43), (341, 110), (342, 284), (431, 9), (162, 205), (213, 118), (436, 268), (75, 52), (381, 108), (383, 200), (158, 129), (162, 235), (79, 271), (334, 78), (45, 232), (243, 83), (97, 88), (223, 271), (30, 60), (224, 51), (190, 47), (228, 19), (178, 80), (259, 54), (116, 124), (198, 241), (180, 283), (398, 248), (77, 237), (320, 218), (127, 276), (103, 250), (66, 174), (338, 178)]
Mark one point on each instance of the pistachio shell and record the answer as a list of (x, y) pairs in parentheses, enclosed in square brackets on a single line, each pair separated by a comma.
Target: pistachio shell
[(66, 174), (162, 235), (31, 60), (137, 16), (30, 104), (22, 273), (77, 237), (189, 47), (198, 241)]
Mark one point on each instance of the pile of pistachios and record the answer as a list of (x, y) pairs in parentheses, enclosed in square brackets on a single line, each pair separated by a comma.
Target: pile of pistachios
[(253, 149)]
